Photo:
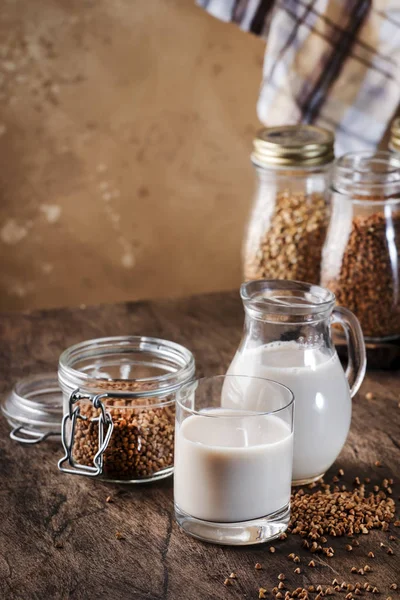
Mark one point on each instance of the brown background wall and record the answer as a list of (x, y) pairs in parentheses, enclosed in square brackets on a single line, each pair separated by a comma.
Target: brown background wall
[(125, 132)]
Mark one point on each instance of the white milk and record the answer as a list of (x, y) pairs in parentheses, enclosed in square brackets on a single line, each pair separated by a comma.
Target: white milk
[(231, 469), (322, 399)]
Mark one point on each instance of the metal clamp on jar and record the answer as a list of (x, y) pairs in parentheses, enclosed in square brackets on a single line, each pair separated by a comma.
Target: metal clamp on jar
[(119, 405)]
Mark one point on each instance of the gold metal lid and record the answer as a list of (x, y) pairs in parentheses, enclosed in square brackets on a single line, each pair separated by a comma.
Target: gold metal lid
[(293, 145), (394, 143)]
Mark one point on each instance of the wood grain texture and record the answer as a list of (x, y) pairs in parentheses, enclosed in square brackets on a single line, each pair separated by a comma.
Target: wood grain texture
[(41, 508)]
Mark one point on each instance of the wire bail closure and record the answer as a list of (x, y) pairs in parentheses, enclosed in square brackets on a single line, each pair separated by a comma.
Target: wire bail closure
[(104, 419), (24, 435)]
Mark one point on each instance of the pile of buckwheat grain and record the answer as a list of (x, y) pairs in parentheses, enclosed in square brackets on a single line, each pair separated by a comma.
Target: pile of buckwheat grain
[(142, 441), (332, 510), (369, 272), (336, 511), (290, 247)]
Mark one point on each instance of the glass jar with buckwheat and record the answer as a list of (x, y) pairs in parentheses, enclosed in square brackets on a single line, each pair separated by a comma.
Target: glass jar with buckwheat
[(289, 218), (361, 256), (119, 406)]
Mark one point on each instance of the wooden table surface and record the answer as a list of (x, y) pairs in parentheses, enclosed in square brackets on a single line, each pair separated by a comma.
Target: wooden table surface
[(57, 533)]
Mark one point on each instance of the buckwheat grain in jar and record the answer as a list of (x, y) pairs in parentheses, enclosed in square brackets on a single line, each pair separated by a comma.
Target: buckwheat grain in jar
[(119, 406), (288, 222), (361, 256)]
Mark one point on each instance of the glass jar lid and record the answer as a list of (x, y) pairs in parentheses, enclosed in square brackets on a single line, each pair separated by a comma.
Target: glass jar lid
[(394, 143), (34, 409), (293, 145)]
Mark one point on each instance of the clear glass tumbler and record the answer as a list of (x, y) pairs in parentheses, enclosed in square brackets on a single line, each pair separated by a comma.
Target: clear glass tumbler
[(233, 468)]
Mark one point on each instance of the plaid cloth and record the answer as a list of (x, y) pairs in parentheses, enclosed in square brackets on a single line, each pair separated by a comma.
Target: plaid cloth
[(334, 63)]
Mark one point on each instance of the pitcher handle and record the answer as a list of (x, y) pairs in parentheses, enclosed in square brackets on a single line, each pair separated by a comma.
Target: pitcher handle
[(357, 358)]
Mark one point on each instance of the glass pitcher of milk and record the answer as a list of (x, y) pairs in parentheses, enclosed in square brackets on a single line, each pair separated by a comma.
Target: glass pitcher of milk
[(287, 338)]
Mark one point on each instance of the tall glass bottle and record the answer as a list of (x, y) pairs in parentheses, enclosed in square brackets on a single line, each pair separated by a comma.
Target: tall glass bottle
[(289, 218)]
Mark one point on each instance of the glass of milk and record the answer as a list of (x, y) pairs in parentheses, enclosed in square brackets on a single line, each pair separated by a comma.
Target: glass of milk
[(233, 466), (287, 337)]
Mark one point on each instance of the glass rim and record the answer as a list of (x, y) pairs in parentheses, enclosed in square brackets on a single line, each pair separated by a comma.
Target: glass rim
[(382, 155), (262, 302), (250, 413), (37, 386), (71, 377), (346, 166)]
